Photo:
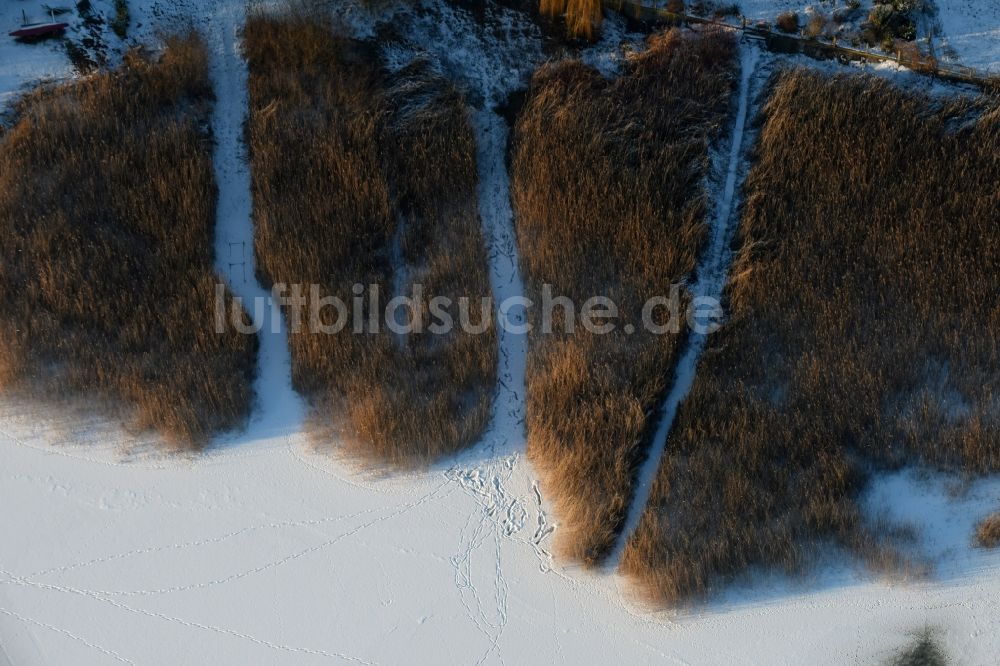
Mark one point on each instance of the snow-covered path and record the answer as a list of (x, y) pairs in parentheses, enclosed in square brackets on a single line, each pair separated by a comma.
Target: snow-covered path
[(279, 410), (493, 473), (505, 274), (706, 292)]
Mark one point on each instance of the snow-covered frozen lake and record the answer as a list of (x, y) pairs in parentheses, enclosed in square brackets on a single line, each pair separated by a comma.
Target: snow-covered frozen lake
[(262, 551)]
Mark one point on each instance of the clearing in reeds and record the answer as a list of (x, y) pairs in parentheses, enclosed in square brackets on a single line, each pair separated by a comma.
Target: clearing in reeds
[(608, 190), (107, 214), (365, 177), (862, 335)]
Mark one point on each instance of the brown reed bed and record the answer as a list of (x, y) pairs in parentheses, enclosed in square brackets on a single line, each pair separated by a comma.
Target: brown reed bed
[(862, 336), (608, 190), (361, 176), (107, 214)]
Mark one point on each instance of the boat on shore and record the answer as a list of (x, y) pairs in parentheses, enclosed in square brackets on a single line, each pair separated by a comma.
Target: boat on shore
[(39, 30)]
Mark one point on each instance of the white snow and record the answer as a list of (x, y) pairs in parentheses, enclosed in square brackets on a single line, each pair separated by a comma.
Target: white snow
[(21, 64), (972, 29), (261, 551), (279, 410), (488, 62), (946, 510), (265, 554), (608, 54)]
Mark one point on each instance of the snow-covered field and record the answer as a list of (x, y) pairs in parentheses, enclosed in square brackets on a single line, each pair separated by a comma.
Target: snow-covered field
[(262, 551), (972, 29)]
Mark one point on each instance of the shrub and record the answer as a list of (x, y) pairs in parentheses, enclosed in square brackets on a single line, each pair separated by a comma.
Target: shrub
[(607, 186), (107, 287), (906, 30), (925, 651), (583, 17), (731, 9), (675, 6), (120, 22), (860, 335), (364, 177), (888, 22), (711, 7), (880, 15), (788, 22), (988, 531), (814, 29), (910, 55)]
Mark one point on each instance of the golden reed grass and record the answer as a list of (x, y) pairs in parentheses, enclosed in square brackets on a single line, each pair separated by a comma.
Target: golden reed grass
[(583, 17), (988, 531), (107, 214), (607, 185), (862, 335), (361, 176)]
